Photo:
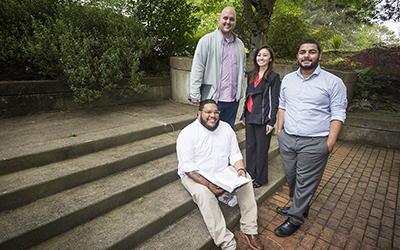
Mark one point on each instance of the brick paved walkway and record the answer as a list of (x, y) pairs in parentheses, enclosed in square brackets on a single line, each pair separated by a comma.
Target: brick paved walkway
[(355, 207)]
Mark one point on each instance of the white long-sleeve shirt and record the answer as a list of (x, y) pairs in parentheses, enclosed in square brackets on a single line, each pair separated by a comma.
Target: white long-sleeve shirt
[(199, 148)]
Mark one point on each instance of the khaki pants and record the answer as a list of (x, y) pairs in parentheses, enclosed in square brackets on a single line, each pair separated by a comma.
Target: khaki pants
[(213, 216)]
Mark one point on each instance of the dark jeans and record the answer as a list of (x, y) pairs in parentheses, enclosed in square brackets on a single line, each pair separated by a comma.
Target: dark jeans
[(228, 112)]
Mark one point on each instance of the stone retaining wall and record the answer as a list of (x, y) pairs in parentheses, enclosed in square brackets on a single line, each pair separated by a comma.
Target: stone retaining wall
[(382, 131), (181, 66), (365, 129), (27, 97)]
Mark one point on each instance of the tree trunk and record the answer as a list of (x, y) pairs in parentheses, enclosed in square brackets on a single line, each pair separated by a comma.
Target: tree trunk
[(258, 21)]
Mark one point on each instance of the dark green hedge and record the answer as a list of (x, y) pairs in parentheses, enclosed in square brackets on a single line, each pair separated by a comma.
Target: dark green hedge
[(90, 46)]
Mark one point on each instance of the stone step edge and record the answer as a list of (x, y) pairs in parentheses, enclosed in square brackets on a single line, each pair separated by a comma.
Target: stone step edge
[(55, 226), (190, 232), (47, 218), (135, 236), (43, 181), (129, 224), (64, 148), (56, 177)]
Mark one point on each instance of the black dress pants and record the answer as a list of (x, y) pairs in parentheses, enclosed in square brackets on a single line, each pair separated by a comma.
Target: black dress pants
[(257, 146)]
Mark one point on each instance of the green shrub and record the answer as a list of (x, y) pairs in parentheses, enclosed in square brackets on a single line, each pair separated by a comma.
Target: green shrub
[(91, 49), (336, 42), (379, 74), (336, 63), (286, 32), (105, 51), (322, 34), (365, 85), (172, 24), (16, 28)]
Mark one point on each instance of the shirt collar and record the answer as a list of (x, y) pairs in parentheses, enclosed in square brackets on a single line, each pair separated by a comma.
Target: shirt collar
[(316, 72), (231, 39)]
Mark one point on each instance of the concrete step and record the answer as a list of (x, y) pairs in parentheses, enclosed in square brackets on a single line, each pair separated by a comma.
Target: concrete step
[(129, 225), (190, 232), (36, 152), (56, 214), (79, 189), (110, 188), (23, 187)]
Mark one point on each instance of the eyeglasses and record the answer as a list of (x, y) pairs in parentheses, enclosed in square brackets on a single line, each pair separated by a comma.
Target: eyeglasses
[(208, 112)]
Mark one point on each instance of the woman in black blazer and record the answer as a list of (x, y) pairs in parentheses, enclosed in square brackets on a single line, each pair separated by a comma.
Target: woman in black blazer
[(259, 113)]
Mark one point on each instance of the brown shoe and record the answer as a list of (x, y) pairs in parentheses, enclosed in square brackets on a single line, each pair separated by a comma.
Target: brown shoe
[(253, 240)]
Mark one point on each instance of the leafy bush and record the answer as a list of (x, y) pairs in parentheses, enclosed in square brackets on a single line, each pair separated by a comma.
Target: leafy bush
[(365, 84), (322, 34), (336, 42), (16, 30), (286, 32), (361, 104), (91, 49), (379, 76), (172, 24)]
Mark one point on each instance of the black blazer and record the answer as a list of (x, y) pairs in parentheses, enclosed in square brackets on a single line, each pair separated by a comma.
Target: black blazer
[(270, 99)]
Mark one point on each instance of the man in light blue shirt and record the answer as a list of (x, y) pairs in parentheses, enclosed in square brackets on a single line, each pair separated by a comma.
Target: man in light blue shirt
[(312, 109)]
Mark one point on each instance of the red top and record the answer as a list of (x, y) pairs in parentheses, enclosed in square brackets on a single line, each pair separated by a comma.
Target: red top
[(250, 101)]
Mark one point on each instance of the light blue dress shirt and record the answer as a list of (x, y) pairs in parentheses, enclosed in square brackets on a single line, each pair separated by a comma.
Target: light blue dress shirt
[(311, 104)]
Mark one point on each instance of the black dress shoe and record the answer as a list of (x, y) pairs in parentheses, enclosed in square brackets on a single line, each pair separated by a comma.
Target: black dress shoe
[(286, 229), (256, 185), (282, 210), (285, 210)]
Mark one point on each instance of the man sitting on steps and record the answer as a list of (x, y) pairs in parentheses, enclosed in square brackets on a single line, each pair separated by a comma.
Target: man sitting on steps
[(207, 144)]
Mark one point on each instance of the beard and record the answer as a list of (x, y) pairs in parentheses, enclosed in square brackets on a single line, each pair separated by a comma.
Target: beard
[(203, 122), (307, 67)]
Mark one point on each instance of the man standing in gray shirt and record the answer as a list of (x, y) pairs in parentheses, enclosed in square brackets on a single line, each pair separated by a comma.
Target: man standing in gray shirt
[(218, 68), (312, 109)]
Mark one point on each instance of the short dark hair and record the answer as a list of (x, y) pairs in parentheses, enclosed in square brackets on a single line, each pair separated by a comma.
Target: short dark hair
[(206, 101), (313, 41)]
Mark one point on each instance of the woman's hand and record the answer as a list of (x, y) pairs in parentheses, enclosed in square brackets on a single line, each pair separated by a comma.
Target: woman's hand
[(268, 129)]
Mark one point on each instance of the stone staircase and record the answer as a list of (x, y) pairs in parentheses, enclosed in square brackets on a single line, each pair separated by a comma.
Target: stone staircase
[(117, 191)]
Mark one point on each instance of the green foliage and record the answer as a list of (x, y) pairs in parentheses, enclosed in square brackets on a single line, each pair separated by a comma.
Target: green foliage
[(336, 63), (336, 42), (171, 23), (380, 70), (322, 34), (16, 28), (286, 32), (91, 49), (365, 85), (107, 50), (287, 7), (361, 104), (208, 13), (370, 35), (342, 18)]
